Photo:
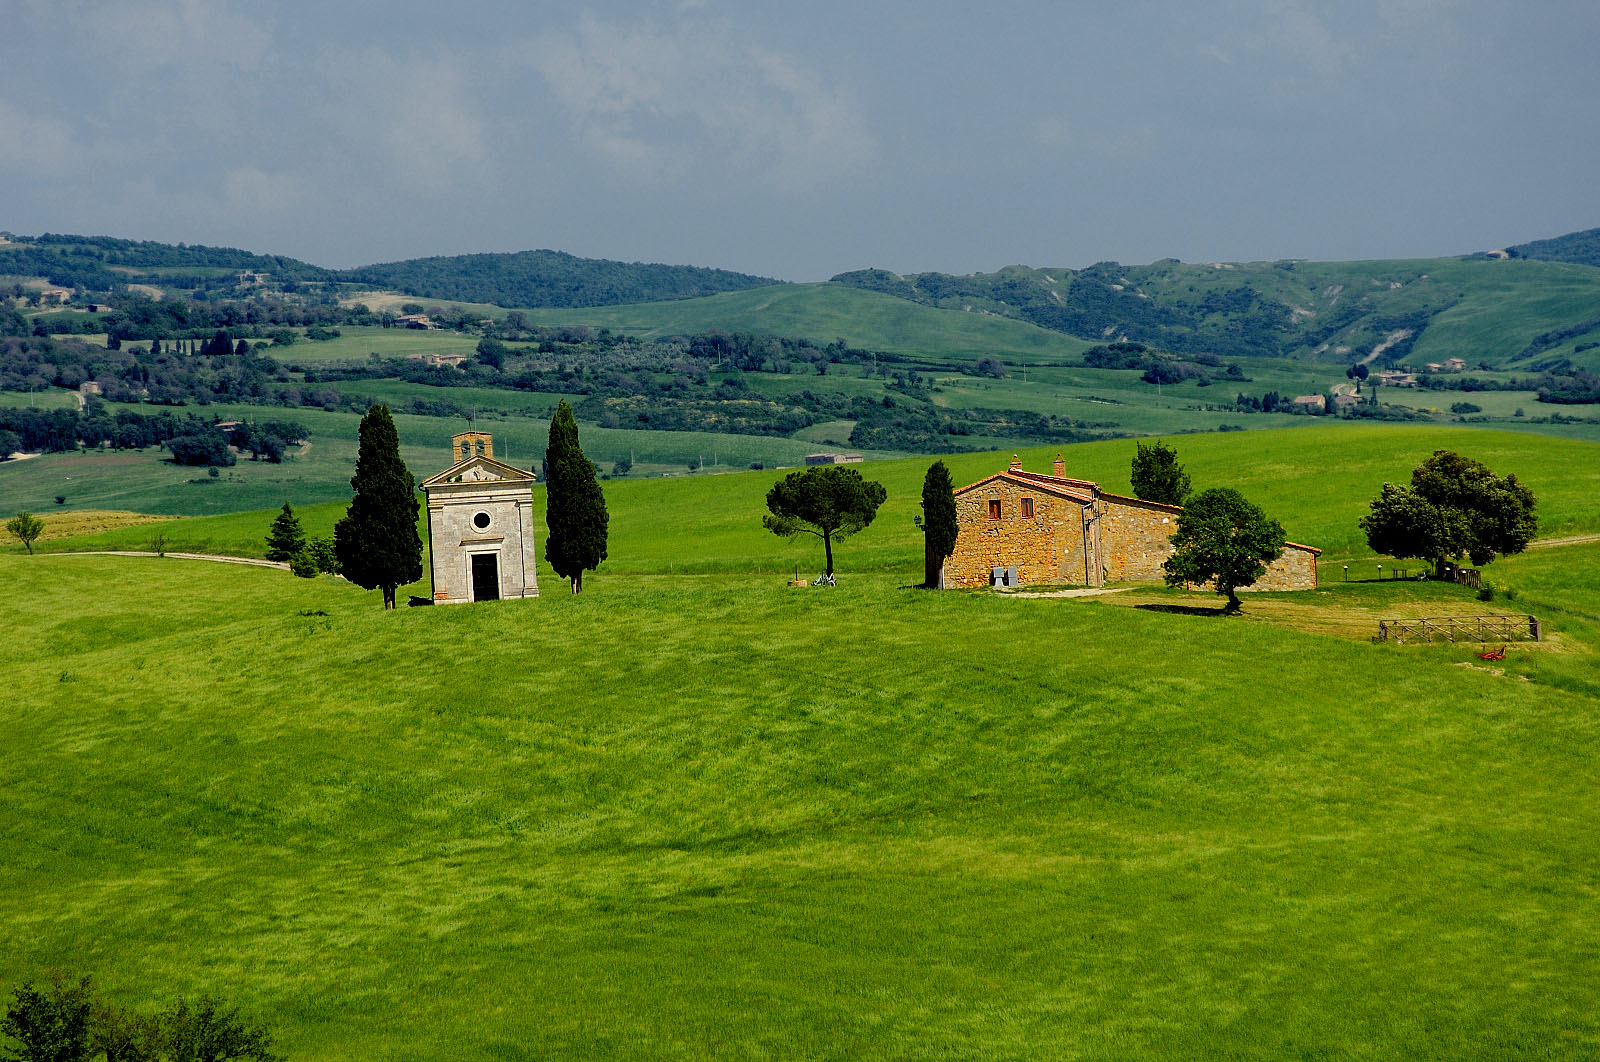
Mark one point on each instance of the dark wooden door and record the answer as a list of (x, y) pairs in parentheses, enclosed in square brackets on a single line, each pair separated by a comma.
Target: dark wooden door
[(485, 577)]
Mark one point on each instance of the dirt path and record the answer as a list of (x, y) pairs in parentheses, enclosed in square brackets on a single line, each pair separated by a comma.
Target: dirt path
[(1568, 540), (256, 561), (1092, 591)]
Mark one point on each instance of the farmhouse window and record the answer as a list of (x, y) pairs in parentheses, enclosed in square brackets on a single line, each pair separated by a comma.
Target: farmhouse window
[(1027, 508), (994, 508)]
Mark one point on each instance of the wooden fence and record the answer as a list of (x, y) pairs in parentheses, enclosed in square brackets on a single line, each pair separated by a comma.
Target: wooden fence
[(1460, 629)]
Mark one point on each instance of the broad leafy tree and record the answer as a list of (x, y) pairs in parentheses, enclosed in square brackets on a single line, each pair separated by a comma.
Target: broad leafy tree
[(938, 522), (1224, 540), (26, 527), (286, 537), (51, 1023), (829, 501), (575, 507), (376, 541), (1157, 476), (1455, 507)]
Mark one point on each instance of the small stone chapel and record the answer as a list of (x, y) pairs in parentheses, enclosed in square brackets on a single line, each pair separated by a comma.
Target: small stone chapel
[(480, 526)]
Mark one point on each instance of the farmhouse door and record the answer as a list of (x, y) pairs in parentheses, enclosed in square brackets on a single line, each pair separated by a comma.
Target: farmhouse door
[(485, 577)]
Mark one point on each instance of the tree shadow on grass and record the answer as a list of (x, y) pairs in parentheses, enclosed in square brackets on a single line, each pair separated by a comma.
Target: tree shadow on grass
[(1187, 610)]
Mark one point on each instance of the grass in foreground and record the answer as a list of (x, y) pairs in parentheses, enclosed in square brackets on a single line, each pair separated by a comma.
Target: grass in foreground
[(713, 816)]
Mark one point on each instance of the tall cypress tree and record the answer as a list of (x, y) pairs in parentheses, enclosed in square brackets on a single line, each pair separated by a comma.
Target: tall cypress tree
[(376, 541), (938, 522), (286, 539), (575, 508)]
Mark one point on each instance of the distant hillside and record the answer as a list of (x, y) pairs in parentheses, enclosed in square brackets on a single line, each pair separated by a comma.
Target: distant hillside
[(524, 279), (1484, 310), (1580, 247), (98, 263), (549, 279)]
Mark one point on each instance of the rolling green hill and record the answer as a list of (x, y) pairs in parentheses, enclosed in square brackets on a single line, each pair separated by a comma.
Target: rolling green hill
[(709, 815), (1501, 314)]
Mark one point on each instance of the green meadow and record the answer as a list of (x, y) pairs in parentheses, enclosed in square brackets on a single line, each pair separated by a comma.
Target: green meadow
[(696, 813)]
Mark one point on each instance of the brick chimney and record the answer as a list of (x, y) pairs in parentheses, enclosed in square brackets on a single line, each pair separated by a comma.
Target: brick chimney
[(1016, 464), (1059, 469)]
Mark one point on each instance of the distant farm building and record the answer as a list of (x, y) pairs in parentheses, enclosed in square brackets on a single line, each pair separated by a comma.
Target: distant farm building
[(450, 361), (55, 296), (1316, 402), (480, 526), (1395, 378), (833, 459), (414, 320), (1056, 529), (1346, 401)]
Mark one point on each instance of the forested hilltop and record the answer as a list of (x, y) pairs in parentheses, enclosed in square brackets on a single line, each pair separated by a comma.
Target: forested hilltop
[(548, 278), (1581, 247), (524, 279)]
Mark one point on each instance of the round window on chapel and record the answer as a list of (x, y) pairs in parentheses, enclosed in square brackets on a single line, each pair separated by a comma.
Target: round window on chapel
[(480, 521)]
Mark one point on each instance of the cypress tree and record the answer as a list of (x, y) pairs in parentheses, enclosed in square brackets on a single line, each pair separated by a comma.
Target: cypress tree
[(575, 508), (376, 541), (286, 539), (938, 522)]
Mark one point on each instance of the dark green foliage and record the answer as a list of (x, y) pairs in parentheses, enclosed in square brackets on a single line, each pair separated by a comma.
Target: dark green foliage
[(1465, 407), (285, 539), (51, 1024), (1581, 247), (1224, 540), (322, 554), (211, 1031), (10, 443), (1157, 476), (202, 448), (575, 507), (1455, 507), (938, 522), (829, 501), (548, 278), (65, 1022), (993, 368), (376, 540)]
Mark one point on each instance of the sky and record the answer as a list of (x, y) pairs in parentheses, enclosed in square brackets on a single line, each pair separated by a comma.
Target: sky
[(800, 140)]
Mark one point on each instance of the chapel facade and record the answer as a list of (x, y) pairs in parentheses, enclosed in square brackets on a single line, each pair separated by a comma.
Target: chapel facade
[(480, 526), (1059, 530)]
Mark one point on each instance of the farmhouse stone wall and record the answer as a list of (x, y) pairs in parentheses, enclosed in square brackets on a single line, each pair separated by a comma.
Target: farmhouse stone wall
[(1137, 536), (1046, 548), (1102, 537)]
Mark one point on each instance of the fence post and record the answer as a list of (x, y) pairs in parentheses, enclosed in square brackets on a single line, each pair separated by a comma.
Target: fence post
[(1533, 628)]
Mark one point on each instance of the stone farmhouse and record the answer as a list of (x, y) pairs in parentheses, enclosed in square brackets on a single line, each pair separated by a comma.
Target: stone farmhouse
[(480, 526), (1056, 529)]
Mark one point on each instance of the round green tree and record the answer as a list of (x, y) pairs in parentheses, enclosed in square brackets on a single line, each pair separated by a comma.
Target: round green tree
[(25, 527), (376, 540), (1224, 540), (1455, 507), (829, 501), (1157, 476), (575, 507)]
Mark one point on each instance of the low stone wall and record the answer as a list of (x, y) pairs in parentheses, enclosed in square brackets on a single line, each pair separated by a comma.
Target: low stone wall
[(1295, 570)]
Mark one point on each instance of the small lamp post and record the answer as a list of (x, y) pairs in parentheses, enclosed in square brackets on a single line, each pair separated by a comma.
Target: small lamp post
[(1347, 573), (1380, 573)]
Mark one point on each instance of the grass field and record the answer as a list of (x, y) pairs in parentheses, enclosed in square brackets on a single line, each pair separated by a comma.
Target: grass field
[(716, 817), (705, 815), (1316, 480), (825, 312)]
